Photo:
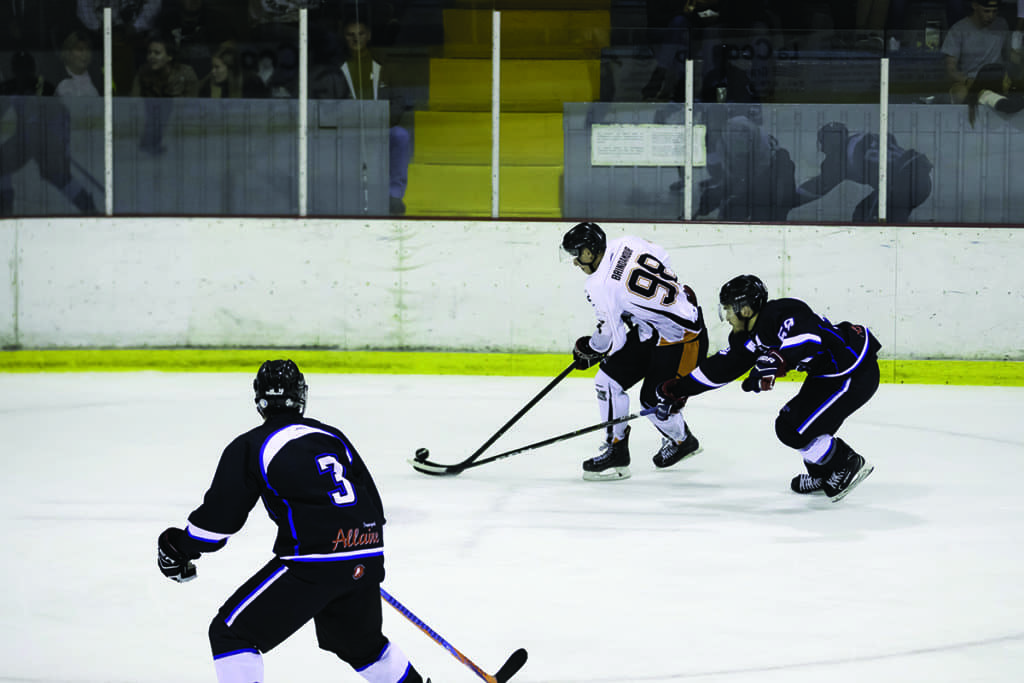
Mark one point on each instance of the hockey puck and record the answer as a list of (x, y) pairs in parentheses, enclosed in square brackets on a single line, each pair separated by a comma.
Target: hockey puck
[(422, 454)]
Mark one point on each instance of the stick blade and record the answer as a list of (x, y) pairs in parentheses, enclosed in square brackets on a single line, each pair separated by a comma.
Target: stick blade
[(425, 467), (512, 665)]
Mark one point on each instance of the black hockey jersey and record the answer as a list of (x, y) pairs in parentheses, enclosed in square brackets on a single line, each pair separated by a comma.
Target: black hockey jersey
[(806, 341), (313, 484)]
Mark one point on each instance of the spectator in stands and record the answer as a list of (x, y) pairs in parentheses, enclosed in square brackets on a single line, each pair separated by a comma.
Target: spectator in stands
[(856, 157), (360, 76), (971, 43), (227, 78), (752, 178), (162, 75), (132, 20), (42, 134), (717, 31), (993, 88), (159, 80), (198, 27), (81, 80)]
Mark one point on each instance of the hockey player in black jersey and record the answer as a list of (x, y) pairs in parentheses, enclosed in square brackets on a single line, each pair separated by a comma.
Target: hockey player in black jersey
[(769, 338), (329, 552)]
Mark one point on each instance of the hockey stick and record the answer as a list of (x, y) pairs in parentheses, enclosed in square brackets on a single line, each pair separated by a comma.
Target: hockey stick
[(509, 669), (431, 468), (422, 453)]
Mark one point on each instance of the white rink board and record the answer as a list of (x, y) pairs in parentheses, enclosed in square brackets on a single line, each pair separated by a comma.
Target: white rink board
[(928, 292)]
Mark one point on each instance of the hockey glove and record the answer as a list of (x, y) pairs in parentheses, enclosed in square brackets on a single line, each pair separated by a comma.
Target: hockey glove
[(669, 399), (766, 368), (585, 356), (174, 563)]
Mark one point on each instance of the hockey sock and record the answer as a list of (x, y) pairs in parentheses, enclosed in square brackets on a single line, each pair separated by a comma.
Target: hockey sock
[(613, 401), (244, 666), (817, 454), (673, 428), (392, 667)]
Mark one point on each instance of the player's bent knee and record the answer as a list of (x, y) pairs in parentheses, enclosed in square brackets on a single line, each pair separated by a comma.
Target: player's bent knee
[(358, 653), (786, 431), (223, 640)]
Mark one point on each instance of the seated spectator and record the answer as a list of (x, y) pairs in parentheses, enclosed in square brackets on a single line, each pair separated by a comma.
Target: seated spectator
[(751, 176), (25, 78), (132, 20), (160, 79), (76, 53), (162, 75), (228, 79), (198, 28), (971, 43), (41, 134), (361, 77), (993, 88)]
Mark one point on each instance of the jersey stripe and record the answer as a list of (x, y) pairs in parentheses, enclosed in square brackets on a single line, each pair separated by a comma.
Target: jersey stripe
[(332, 557), (255, 594)]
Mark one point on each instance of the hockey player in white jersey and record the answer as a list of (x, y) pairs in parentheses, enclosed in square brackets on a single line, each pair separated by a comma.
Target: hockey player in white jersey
[(649, 327)]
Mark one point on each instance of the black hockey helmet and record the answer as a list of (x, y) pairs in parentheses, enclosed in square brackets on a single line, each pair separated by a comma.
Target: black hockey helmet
[(584, 236), (743, 290), (279, 386), (833, 136)]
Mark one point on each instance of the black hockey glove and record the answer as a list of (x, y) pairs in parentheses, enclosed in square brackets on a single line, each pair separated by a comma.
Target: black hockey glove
[(174, 563), (766, 368), (669, 399), (585, 356)]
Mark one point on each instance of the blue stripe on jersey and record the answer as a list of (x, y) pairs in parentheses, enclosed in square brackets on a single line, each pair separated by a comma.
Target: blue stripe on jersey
[(335, 557), (792, 342), (272, 446), (204, 536)]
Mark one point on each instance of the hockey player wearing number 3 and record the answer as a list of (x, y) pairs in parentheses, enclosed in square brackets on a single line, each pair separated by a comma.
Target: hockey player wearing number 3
[(769, 338), (328, 559), (649, 327)]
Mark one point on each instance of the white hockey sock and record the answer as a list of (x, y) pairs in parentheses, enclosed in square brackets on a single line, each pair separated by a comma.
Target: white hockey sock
[(239, 667), (818, 450), (392, 666), (674, 427), (613, 401)]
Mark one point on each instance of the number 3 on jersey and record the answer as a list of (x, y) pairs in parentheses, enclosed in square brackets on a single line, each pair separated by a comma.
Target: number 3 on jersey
[(650, 275), (343, 495)]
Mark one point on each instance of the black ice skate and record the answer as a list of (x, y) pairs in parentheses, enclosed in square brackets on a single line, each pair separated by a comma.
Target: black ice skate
[(805, 483), (853, 471), (672, 451), (611, 463)]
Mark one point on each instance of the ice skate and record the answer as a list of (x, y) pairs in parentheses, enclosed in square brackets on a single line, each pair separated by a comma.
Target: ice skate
[(805, 483), (673, 451), (841, 481), (611, 463)]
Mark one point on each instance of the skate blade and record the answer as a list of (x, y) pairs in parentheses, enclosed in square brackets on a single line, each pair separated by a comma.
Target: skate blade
[(612, 474), (700, 449), (861, 476)]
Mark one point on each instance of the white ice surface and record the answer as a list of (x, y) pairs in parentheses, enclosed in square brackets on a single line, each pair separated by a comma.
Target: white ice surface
[(712, 572)]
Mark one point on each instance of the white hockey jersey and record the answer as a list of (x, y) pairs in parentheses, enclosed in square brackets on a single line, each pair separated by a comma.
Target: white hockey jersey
[(635, 287)]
